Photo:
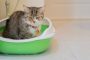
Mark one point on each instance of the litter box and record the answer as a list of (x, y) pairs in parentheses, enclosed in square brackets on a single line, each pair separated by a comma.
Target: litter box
[(27, 46)]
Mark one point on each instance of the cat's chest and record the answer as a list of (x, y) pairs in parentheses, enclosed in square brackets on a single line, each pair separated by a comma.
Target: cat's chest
[(31, 26), (35, 23)]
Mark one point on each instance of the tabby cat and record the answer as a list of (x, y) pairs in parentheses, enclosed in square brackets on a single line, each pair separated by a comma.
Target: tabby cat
[(24, 24)]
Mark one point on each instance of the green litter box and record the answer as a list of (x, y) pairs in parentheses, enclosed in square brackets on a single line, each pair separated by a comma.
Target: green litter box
[(27, 46)]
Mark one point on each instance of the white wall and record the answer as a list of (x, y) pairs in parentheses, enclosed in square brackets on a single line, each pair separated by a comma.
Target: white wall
[(57, 9), (68, 9), (2, 9)]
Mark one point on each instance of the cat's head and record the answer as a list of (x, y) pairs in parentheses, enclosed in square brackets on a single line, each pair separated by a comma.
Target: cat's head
[(34, 12)]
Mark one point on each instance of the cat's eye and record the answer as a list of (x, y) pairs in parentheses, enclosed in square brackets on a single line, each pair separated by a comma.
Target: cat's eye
[(38, 17), (30, 17), (36, 11)]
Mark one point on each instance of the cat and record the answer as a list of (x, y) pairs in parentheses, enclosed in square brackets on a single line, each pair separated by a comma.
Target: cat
[(24, 24)]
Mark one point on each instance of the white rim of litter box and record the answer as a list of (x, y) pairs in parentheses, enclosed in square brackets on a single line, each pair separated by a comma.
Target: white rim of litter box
[(41, 37)]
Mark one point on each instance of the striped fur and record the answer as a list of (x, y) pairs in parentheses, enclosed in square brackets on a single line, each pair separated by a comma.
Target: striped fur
[(21, 23)]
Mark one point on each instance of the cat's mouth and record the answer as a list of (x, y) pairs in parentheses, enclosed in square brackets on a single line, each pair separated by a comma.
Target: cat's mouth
[(32, 26)]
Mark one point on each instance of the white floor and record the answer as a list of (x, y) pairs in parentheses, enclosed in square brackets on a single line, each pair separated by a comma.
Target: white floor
[(71, 42)]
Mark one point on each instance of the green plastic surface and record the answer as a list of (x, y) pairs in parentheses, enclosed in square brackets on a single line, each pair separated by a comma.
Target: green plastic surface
[(33, 47)]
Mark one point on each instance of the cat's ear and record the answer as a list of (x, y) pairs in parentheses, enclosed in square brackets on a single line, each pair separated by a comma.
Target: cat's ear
[(41, 9), (26, 9)]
